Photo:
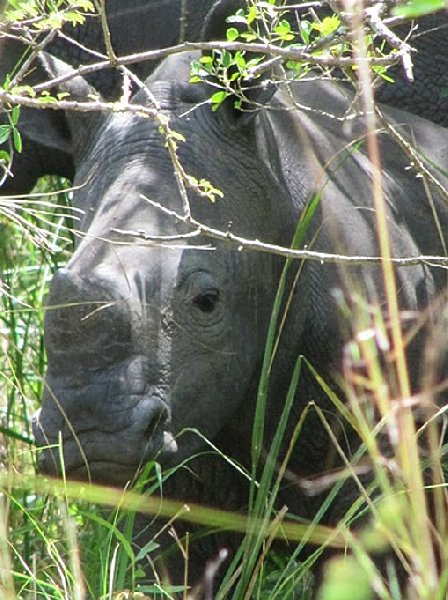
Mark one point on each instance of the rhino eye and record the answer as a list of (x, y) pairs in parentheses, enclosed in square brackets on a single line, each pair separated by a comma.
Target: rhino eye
[(206, 301)]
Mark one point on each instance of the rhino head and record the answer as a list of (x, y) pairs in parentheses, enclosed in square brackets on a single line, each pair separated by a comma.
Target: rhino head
[(149, 340)]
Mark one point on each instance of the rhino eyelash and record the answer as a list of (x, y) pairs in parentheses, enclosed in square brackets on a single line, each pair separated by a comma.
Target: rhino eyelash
[(207, 301)]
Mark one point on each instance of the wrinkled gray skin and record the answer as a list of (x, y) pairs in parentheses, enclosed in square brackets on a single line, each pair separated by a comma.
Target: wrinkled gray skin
[(427, 94), (145, 341), (135, 26)]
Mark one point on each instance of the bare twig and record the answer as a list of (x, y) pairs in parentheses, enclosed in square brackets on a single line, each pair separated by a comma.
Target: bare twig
[(96, 105), (259, 246), (27, 63), (287, 54), (101, 8), (411, 153), (377, 25)]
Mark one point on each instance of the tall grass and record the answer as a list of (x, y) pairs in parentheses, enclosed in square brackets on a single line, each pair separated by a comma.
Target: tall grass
[(59, 543)]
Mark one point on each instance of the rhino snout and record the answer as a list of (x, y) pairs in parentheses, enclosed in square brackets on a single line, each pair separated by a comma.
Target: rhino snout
[(97, 452)]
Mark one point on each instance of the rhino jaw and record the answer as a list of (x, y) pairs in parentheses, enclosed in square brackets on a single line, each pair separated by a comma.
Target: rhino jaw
[(95, 450)]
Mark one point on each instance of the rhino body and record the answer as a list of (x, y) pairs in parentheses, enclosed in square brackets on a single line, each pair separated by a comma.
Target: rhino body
[(150, 342), (140, 25)]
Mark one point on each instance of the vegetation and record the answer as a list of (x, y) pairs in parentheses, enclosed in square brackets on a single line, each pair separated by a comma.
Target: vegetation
[(65, 540)]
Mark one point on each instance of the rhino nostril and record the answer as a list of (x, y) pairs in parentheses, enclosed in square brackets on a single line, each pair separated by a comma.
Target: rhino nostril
[(158, 418)]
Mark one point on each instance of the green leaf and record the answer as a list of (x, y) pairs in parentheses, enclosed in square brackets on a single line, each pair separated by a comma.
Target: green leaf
[(75, 18), (252, 14), (249, 37), (5, 132), (86, 5), (17, 140), (283, 30), (15, 114), (46, 98), (345, 580), (23, 90), (218, 98), (226, 59), (206, 60), (232, 34), (147, 549), (305, 30), (53, 21), (327, 26), (415, 8), (240, 60)]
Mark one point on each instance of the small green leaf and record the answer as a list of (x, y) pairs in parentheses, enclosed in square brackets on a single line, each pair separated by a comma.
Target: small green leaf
[(75, 18), (218, 98), (5, 132), (240, 61), (305, 31), (86, 5), (249, 37), (252, 14), (345, 580), (17, 140), (147, 549), (23, 90), (226, 59), (327, 26), (232, 34), (416, 8), (283, 30), (15, 114), (238, 18), (177, 136)]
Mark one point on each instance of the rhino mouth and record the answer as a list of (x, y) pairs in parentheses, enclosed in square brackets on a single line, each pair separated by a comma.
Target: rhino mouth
[(114, 472), (92, 454), (104, 472), (79, 461)]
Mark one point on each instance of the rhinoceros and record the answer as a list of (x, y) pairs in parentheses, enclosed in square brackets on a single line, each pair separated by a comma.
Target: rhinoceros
[(155, 332)]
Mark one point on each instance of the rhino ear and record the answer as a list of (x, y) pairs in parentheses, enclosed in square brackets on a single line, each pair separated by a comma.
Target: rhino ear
[(215, 25), (258, 91), (80, 124)]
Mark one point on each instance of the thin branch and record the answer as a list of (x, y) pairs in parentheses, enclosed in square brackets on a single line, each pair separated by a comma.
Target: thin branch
[(288, 54), (101, 8), (377, 25), (95, 105), (27, 63), (411, 153), (259, 246)]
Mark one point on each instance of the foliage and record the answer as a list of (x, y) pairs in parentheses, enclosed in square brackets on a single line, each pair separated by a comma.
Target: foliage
[(40, 15), (318, 39)]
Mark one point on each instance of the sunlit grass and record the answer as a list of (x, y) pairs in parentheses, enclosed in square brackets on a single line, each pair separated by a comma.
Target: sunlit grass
[(67, 540)]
